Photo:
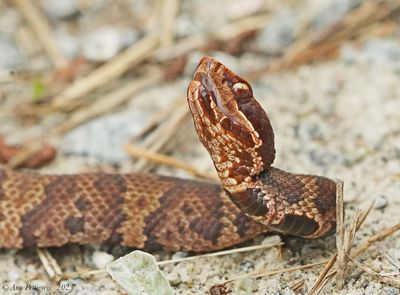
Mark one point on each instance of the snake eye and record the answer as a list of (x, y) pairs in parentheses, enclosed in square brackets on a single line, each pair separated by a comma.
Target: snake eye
[(243, 91)]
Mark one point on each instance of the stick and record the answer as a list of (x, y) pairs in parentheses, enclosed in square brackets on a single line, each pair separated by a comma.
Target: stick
[(49, 263), (43, 31), (348, 242), (390, 280), (168, 16), (163, 134), (108, 102), (340, 225), (166, 160), (109, 71), (223, 33)]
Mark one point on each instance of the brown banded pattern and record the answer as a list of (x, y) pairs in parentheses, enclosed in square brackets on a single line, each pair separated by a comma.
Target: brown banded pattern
[(156, 212), (238, 135)]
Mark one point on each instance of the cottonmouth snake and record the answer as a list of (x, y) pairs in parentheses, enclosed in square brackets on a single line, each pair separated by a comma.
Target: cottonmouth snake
[(157, 212)]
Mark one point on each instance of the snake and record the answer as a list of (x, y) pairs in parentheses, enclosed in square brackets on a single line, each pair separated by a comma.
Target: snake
[(155, 212)]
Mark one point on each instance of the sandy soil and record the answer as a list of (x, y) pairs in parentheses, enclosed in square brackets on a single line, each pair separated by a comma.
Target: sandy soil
[(339, 119)]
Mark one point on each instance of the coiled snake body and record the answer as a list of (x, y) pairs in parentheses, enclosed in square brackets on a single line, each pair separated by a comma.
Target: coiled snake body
[(156, 212)]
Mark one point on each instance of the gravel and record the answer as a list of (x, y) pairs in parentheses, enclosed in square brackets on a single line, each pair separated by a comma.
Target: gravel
[(339, 119)]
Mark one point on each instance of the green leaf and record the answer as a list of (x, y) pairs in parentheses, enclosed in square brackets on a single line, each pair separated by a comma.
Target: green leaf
[(139, 274)]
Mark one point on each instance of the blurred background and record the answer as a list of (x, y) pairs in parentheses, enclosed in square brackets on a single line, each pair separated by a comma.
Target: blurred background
[(64, 63), (100, 85)]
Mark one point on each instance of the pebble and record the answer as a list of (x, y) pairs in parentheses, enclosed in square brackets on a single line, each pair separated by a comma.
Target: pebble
[(101, 259), (376, 52), (106, 42), (10, 57), (174, 279), (384, 52), (244, 286), (333, 11), (278, 33), (381, 202), (109, 133), (68, 44), (390, 291), (246, 266), (14, 274), (9, 21), (274, 239), (179, 255), (60, 9)]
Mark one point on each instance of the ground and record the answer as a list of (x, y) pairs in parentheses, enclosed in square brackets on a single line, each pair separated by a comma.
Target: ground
[(337, 118)]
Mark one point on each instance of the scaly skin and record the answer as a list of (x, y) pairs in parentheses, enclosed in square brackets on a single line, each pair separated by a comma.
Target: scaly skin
[(155, 212)]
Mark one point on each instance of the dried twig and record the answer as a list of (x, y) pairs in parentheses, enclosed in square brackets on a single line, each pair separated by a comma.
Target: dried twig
[(163, 134), (159, 117), (265, 273), (222, 253), (168, 16), (43, 31), (223, 33), (49, 263), (372, 240), (326, 42), (327, 272), (109, 71), (297, 285), (166, 160), (391, 259), (320, 282), (340, 226), (27, 151), (184, 259), (390, 280), (348, 242), (108, 102)]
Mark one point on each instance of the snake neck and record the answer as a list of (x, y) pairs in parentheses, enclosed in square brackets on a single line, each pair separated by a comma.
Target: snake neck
[(296, 204), (249, 195)]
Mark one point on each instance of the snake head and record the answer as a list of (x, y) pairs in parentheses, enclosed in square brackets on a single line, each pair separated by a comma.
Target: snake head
[(230, 123)]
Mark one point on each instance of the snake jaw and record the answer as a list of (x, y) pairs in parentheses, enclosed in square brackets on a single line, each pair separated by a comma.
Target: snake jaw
[(230, 123)]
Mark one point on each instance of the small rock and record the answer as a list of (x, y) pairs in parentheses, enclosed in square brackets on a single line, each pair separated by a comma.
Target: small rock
[(385, 52), (376, 52), (174, 279), (9, 21), (179, 255), (109, 133), (14, 274), (246, 266), (271, 240), (68, 44), (106, 42), (333, 11), (381, 202), (10, 56), (390, 291), (183, 274), (185, 25), (278, 33), (244, 287), (101, 259), (60, 9)]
